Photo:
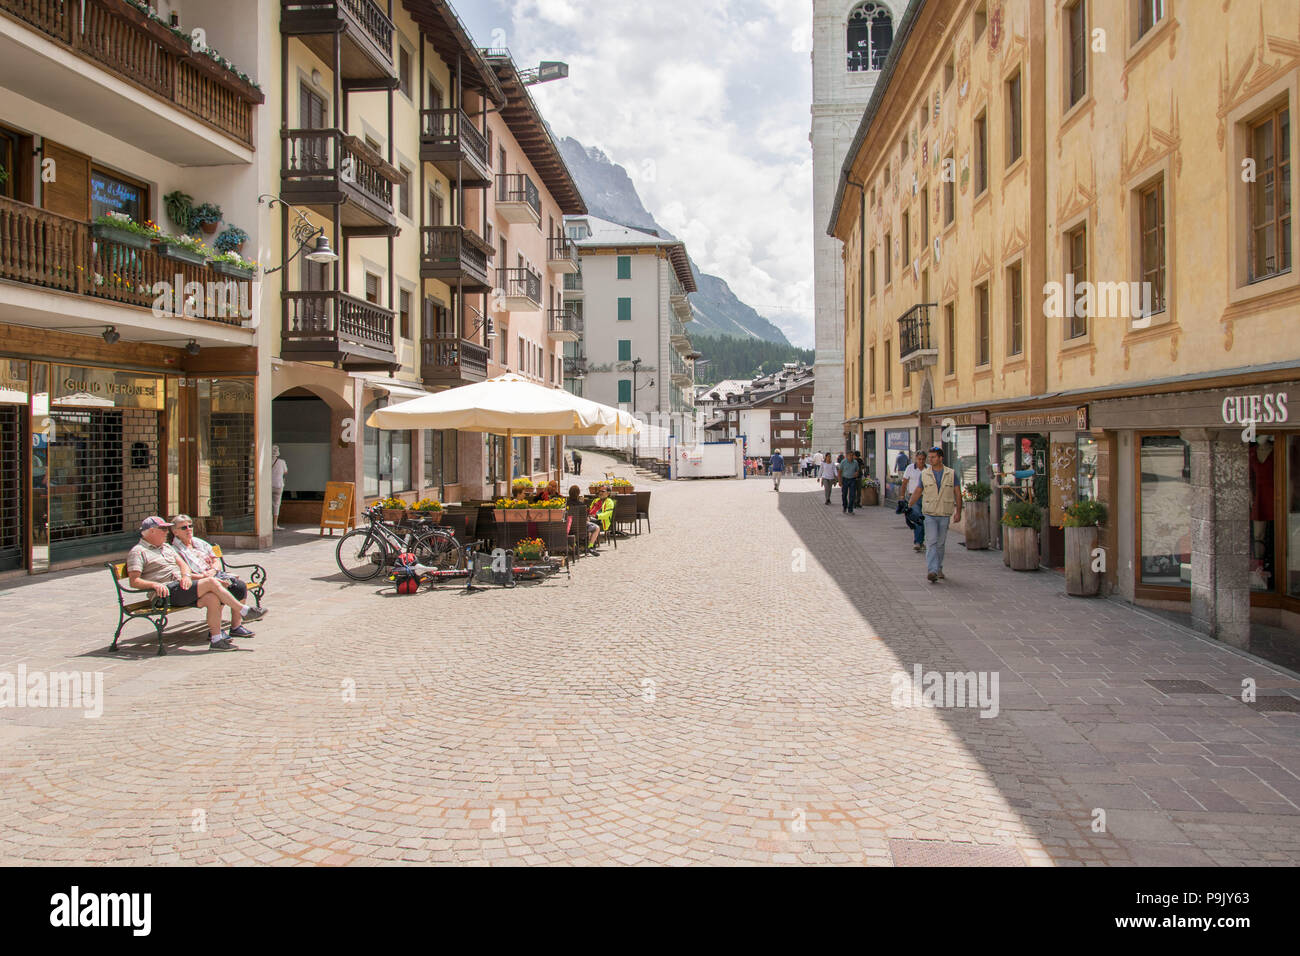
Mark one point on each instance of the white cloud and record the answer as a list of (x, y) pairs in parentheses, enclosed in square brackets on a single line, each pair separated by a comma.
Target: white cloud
[(706, 103)]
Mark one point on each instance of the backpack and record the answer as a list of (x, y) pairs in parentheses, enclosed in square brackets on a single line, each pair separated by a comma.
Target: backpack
[(405, 577)]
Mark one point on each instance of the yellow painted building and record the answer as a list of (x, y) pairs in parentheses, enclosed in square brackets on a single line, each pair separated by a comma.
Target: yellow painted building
[(1068, 253)]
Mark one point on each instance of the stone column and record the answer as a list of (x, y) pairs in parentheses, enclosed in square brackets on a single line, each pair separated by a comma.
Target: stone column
[(1220, 535)]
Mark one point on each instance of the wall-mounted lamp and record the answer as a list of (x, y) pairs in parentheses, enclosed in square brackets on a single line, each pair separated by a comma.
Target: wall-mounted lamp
[(191, 347), (304, 233), (111, 335), (315, 77)]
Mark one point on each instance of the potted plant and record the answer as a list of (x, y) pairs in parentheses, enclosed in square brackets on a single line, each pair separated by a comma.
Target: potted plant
[(120, 228), (870, 491), (596, 486), (620, 486), (394, 509), (179, 207), (183, 249), (205, 216), (1082, 520), (550, 510), (1022, 519), (975, 515), (234, 265), (531, 550), (232, 239), (429, 509), (511, 510)]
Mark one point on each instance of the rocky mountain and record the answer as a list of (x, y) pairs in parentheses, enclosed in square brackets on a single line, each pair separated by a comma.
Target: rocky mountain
[(610, 194)]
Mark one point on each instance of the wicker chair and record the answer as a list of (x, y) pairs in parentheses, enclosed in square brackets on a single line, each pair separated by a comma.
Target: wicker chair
[(642, 510), (624, 512)]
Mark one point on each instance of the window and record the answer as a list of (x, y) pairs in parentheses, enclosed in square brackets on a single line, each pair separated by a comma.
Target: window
[(871, 369), (982, 323), (1014, 131), (521, 353), (981, 157), (625, 350), (907, 238), (624, 391), (950, 339), (404, 192), (889, 366), (1076, 252), (388, 460), (404, 71), (1165, 510), (870, 34), (441, 458), (374, 288), (625, 310), (871, 267), (625, 267), (404, 313), (113, 194), (981, 21), (902, 148), (1270, 195), (1076, 54), (923, 114), (1015, 312), (925, 219), (1151, 249), (1150, 12), (889, 247), (311, 108), (949, 190), (949, 72)]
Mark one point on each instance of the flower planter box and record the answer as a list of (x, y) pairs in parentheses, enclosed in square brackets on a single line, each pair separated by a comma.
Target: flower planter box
[(870, 497), (975, 518), (511, 515), (394, 515), (1021, 548), (123, 237), (1080, 579), (169, 250), (231, 270), (433, 517)]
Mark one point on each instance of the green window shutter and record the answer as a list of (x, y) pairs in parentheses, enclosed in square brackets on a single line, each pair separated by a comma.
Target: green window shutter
[(625, 310), (625, 267), (625, 350), (624, 390)]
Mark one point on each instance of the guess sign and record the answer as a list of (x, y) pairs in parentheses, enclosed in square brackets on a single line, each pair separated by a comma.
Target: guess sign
[(1270, 408)]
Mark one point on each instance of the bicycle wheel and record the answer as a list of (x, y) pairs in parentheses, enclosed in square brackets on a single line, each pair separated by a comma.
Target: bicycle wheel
[(438, 550), (361, 555)]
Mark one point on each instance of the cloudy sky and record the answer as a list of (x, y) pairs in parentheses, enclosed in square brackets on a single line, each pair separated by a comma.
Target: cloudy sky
[(706, 104)]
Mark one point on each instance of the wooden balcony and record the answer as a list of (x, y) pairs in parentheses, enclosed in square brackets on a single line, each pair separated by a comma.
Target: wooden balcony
[(455, 254), (41, 248), (562, 255), (453, 144), (518, 201), (333, 327), (448, 362), (563, 326), (129, 46), (326, 168), (916, 349), (365, 38), (522, 289)]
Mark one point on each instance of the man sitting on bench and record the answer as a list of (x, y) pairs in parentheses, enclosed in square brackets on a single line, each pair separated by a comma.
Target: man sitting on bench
[(204, 563), (154, 565)]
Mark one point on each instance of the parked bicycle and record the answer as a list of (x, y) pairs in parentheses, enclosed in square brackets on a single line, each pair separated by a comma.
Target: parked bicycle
[(365, 553)]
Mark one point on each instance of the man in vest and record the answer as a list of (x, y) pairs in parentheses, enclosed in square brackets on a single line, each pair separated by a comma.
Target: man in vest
[(940, 506)]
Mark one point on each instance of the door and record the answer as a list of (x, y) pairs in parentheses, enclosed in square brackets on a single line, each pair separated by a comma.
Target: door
[(13, 444), (315, 151)]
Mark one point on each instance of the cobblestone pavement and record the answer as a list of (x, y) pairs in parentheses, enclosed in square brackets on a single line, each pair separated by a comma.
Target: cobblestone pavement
[(718, 690)]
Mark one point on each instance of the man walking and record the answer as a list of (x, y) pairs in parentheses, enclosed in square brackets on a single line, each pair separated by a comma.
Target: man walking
[(577, 462), (849, 470), (828, 474), (776, 466), (941, 505), (912, 481)]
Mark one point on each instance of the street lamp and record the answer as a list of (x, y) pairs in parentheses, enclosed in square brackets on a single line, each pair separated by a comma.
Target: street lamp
[(304, 233)]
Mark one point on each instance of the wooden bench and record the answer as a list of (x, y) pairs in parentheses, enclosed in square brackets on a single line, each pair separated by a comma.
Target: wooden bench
[(136, 605)]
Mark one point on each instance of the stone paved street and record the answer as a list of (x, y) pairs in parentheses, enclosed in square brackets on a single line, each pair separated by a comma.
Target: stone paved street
[(716, 691)]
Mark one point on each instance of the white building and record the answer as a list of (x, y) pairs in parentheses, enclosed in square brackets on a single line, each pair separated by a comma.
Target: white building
[(630, 299), (851, 39)]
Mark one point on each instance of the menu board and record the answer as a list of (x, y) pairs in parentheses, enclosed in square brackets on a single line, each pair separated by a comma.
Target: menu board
[(336, 510)]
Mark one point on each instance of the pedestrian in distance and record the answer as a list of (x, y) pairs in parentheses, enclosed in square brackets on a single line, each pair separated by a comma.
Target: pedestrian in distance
[(941, 505), (849, 470), (776, 467), (577, 462), (857, 485), (828, 474), (278, 470), (912, 481)]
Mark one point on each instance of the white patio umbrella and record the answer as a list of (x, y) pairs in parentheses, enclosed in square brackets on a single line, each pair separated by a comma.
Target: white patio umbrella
[(508, 405)]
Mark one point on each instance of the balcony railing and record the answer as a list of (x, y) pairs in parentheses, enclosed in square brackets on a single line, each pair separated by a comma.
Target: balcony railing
[(514, 192), (573, 282), (679, 368), (916, 348), (45, 249), (575, 366), (522, 285), (121, 37), (327, 167), (452, 361), (331, 326), (452, 253), (364, 28), (562, 255), (448, 138), (563, 325)]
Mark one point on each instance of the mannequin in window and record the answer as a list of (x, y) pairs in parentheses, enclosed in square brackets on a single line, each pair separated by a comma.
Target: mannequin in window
[(1261, 512)]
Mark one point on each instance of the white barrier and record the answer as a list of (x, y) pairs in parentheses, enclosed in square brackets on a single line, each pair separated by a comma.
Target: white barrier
[(715, 459)]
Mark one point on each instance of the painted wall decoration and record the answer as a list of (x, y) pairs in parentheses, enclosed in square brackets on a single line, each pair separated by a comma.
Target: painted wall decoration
[(997, 22), (1064, 479)]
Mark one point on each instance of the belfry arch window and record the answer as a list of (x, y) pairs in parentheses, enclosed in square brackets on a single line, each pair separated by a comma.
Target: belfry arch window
[(871, 32)]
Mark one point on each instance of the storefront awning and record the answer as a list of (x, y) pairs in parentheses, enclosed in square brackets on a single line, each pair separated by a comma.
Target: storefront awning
[(401, 391)]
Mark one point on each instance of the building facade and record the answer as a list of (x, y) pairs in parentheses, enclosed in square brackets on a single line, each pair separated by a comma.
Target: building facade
[(771, 414), (635, 349), (1079, 266), (851, 41)]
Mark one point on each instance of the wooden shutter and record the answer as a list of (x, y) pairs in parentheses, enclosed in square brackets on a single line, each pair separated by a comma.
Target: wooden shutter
[(69, 193)]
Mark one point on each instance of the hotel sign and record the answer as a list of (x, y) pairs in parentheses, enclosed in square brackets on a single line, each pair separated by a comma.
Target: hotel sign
[(105, 388), (959, 419), (1073, 419)]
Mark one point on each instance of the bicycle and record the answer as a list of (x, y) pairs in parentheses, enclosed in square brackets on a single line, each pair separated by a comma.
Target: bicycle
[(365, 553)]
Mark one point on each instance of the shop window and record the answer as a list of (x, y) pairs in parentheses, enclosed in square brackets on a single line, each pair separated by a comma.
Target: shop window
[(1262, 467), (388, 458), (227, 454), (1270, 195), (441, 458), (1292, 582), (1164, 511), (1086, 460)]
